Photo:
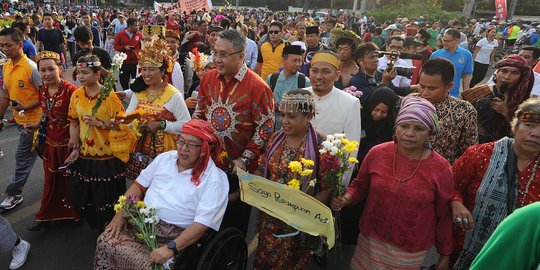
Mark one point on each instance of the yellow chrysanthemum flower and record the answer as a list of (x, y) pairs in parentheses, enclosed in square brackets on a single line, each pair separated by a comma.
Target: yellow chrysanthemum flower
[(306, 172), (140, 204), (295, 166), (307, 162), (117, 208), (352, 160), (294, 183), (122, 199), (351, 146)]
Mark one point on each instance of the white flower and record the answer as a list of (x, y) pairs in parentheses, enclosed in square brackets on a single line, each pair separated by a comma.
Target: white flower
[(312, 183), (329, 137), (334, 150), (119, 58), (148, 220), (327, 145), (156, 219), (339, 136), (322, 151), (21, 113)]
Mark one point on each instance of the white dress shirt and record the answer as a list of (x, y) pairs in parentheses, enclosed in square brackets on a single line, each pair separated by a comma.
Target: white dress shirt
[(399, 81), (338, 112), (180, 202)]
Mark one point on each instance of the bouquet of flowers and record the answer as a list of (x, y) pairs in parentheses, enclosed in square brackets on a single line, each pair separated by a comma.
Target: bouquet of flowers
[(353, 91), (108, 85), (142, 218), (336, 159), (302, 174)]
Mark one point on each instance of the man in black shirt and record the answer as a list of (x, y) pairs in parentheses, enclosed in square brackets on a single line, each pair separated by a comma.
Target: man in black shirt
[(51, 38), (84, 39)]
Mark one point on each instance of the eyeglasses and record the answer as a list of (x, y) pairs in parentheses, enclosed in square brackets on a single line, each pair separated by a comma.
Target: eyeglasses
[(190, 146), (274, 32), (223, 55)]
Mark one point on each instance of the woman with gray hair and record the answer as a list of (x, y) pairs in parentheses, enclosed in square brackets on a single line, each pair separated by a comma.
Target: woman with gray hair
[(494, 179)]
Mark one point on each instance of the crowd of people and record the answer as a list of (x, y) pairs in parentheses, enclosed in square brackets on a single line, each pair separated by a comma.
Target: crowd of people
[(447, 151)]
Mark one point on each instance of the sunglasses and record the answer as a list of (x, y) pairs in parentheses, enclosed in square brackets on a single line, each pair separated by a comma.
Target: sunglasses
[(275, 32)]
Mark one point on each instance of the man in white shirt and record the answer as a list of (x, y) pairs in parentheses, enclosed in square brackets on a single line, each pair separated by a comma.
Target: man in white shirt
[(188, 191), (396, 45), (336, 111)]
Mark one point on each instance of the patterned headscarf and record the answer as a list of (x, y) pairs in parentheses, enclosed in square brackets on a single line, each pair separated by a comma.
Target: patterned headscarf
[(522, 90), (211, 145), (414, 108)]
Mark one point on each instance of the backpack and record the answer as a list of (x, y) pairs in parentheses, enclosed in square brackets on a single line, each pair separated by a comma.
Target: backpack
[(274, 78)]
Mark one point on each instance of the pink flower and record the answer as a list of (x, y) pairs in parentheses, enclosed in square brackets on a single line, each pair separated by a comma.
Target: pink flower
[(353, 91)]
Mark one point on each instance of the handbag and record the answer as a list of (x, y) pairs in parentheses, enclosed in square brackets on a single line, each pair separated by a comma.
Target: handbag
[(138, 161)]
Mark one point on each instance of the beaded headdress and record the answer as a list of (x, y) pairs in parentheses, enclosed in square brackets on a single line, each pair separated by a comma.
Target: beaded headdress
[(304, 103), (89, 64), (155, 53), (197, 59), (47, 55), (531, 117)]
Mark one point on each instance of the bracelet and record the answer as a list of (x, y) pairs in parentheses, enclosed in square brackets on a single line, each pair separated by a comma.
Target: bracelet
[(162, 124), (103, 125)]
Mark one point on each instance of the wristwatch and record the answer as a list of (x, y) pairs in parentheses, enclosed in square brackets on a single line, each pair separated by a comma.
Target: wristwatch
[(172, 245)]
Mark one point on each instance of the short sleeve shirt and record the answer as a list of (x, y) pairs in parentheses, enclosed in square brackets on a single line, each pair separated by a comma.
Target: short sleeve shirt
[(463, 65), (51, 39)]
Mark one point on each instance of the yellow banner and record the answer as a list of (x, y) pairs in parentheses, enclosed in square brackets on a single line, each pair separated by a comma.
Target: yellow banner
[(294, 207)]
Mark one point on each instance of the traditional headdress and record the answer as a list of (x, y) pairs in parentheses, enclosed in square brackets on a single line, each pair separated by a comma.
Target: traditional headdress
[(47, 55), (89, 64), (338, 33), (522, 90), (154, 30), (155, 53), (211, 145), (197, 59), (327, 57), (304, 103), (414, 108)]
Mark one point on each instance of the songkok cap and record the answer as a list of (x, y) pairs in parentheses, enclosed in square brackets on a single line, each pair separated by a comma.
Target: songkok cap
[(299, 43), (312, 30), (292, 49)]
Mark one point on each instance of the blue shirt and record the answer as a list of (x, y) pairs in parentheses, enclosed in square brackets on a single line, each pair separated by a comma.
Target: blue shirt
[(252, 52), (29, 49), (463, 65), (283, 85)]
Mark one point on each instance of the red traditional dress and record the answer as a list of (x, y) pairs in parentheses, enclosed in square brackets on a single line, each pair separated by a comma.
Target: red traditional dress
[(54, 202), (288, 252), (401, 220), (469, 171)]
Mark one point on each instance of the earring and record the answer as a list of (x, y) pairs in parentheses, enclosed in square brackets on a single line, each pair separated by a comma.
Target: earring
[(427, 145)]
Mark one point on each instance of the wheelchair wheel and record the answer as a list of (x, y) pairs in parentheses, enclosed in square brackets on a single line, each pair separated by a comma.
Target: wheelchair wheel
[(226, 250)]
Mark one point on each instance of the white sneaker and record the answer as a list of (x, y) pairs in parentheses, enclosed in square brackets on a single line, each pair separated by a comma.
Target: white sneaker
[(11, 201), (19, 253), (1, 153)]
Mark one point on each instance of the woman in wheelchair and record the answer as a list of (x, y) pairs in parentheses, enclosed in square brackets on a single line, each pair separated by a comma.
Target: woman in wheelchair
[(189, 193)]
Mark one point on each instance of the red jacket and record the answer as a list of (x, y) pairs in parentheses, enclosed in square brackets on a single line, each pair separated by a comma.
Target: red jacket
[(122, 40)]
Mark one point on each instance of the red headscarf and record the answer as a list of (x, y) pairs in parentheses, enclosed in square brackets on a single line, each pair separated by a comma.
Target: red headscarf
[(211, 145), (522, 90)]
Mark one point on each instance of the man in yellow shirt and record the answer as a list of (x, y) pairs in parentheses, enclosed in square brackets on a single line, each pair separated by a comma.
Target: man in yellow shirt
[(21, 84), (269, 59)]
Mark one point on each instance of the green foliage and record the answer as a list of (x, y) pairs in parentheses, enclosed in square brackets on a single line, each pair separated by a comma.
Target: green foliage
[(413, 10)]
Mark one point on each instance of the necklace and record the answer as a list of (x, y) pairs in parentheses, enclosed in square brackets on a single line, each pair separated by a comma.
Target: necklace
[(154, 94), (403, 180), (529, 181)]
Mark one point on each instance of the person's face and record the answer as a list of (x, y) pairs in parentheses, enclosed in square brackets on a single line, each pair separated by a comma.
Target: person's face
[(152, 76), (86, 19), (213, 37), (301, 29), (122, 19), (10, 48), (227, 60), (26, 20), (134, 27), (527, 137), (433, 88), (411, 135), (322, 76), (528, 55), (345, 52), (397, 33), (370, 62), (449, 42), (188, 149), (275, 34), (508, 75), (49, 71), (172, 43), (203, 28), (395, 45), (492, 33), (312, 40), (200, 72), (85, 45), (86, 76), (292, 63), (323, 28), (329, 27), (47, 21), (380, 112), (294, 123)]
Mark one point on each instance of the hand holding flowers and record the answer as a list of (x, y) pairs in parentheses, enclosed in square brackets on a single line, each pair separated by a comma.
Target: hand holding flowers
[(336, 158)]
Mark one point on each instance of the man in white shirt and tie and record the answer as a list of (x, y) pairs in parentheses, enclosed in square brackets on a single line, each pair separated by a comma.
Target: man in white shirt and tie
[(335, 111)]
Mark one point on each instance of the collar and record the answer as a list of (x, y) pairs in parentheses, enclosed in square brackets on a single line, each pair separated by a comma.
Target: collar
[(241, 73), (24, 58)]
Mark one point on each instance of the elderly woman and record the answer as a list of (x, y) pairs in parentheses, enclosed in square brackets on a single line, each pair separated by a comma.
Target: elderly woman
[(55, 96), (189, 193), (494, 179), (296, 140), (164, 108), (496, 104), (408, 188)]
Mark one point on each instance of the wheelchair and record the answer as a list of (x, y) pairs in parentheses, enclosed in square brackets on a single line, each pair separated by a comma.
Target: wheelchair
[(222, 250)]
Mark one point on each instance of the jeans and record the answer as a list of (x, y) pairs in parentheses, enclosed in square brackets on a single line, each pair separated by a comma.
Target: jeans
[(24, 161), (8, 238), (127, 72)]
